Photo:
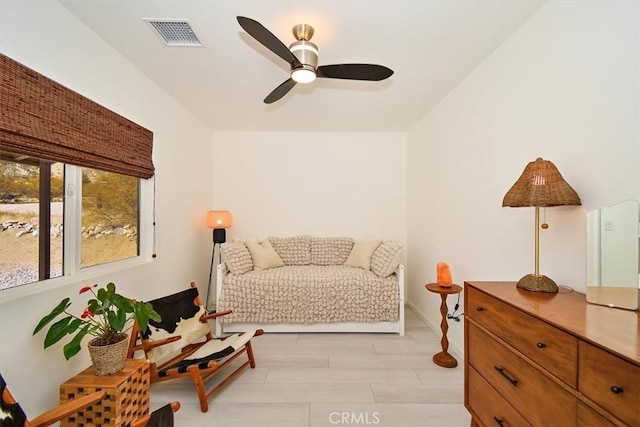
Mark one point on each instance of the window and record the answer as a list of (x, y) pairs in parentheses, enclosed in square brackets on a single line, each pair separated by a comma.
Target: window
[(21, 182), (82, 220), (109, 217), (98, 221)]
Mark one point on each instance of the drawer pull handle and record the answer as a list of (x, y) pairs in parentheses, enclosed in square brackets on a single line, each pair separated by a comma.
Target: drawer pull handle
[(616, 389), (479, 308), (498, 421), (541, 345), (501, 371)]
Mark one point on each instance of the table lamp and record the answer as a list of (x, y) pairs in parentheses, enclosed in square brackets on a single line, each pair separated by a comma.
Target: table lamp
[(540, 185)]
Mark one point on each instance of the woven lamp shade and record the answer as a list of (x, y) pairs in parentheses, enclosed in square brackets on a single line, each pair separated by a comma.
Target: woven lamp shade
[(541, 185)]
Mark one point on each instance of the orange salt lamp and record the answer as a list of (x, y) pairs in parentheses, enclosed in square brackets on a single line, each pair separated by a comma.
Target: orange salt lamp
[(444, 275)]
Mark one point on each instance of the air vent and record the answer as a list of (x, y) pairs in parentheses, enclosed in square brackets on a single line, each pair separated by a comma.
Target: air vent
[(175, 32)]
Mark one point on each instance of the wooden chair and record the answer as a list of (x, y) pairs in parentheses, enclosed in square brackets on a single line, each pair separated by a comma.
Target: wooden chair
[(12, 414), (182, 344)]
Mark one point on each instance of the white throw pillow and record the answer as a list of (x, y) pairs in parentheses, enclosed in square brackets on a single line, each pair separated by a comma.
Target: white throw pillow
[(237, 257), (361, 253), (263, 254), (385, 259)]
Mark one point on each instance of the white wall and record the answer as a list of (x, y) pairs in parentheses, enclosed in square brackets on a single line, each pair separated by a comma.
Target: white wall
[(317, 183), (44, 36), (564, 87)]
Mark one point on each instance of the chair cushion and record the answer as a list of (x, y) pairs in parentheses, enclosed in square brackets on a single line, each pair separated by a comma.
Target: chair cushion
[(361, 253), (263, 254), (11, 413), (179, 317), (293, 250), (161, 417), (212, 350), (330, 250), (385, 259), (237, 257)]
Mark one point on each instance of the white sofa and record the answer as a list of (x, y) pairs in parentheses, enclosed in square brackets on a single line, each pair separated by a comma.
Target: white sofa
[(311, 284)]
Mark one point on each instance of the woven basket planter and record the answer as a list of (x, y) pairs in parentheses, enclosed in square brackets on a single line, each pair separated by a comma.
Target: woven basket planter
[(108, 359)]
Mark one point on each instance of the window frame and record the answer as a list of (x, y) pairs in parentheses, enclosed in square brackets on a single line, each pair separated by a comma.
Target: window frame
[(72, 272)]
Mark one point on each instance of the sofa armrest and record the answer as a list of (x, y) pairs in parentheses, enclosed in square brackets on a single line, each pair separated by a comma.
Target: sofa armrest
[(221, 271), (401, 291)]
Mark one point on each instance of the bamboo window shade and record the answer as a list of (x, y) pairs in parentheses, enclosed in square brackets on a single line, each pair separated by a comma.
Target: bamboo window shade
[(44, 119)]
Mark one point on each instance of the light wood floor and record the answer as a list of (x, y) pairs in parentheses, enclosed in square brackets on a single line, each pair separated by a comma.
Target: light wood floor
[(319, 380)]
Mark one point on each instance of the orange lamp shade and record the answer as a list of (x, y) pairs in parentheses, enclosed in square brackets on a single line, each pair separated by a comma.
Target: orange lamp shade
[(444, 275), (219, 219)]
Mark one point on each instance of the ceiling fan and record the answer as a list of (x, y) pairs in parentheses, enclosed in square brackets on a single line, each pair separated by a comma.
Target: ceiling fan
[(302, 56)]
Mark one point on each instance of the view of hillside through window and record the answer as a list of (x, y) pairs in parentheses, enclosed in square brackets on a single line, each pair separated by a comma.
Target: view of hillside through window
[(109, 216), (20, 224)]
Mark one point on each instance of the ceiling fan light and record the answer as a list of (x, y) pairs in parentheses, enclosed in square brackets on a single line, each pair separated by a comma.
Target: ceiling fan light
[(303, 75)]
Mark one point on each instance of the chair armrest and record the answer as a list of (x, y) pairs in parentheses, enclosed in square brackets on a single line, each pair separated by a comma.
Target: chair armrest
[(66, 409), (153, 344), (206, 317)]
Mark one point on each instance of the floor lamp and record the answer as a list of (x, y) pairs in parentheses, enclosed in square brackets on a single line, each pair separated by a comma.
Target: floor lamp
[(540, 185), (219, 221)]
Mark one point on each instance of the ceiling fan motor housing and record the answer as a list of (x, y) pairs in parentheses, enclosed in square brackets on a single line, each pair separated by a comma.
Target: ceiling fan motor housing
[(307, 54)]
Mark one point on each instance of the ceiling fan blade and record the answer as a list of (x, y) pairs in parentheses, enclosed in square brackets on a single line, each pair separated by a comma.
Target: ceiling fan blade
[(268, 40), (280, 91), (370, 72)]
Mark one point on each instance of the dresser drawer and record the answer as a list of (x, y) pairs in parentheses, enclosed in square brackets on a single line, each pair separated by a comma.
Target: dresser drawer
[(491, 408), (587, 417), (552, 348), (611, 382), (540, 400)]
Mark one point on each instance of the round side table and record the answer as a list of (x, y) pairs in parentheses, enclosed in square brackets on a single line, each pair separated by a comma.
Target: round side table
[(443, 358)]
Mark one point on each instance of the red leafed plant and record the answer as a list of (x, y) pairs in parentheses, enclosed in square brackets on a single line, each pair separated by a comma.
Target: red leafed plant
[(106, 316)]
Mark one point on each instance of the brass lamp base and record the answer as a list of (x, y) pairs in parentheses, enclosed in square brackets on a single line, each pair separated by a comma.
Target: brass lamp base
[(537, 283)]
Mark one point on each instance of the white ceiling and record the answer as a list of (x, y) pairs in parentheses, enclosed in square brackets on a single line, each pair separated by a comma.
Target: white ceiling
[(430, 45)]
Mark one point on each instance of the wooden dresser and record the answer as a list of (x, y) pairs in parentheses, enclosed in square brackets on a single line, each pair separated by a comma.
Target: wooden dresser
[(546, 360)]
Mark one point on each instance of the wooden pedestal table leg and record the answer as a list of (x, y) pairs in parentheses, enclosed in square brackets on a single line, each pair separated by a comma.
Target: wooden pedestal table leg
[(443, 358)]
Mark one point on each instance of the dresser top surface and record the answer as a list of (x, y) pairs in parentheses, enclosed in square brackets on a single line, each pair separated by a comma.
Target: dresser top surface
[(614, 329)]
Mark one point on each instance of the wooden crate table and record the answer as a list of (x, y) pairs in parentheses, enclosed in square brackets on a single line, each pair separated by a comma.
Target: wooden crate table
[(127, 396)]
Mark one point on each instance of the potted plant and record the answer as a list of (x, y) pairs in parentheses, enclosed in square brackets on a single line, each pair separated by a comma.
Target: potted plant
[(107, 317)]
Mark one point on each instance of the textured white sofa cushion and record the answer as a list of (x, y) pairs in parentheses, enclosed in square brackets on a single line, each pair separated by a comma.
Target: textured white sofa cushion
[(294, 250), (237, 257), (385, 259), (310, 294), (330, 250)]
